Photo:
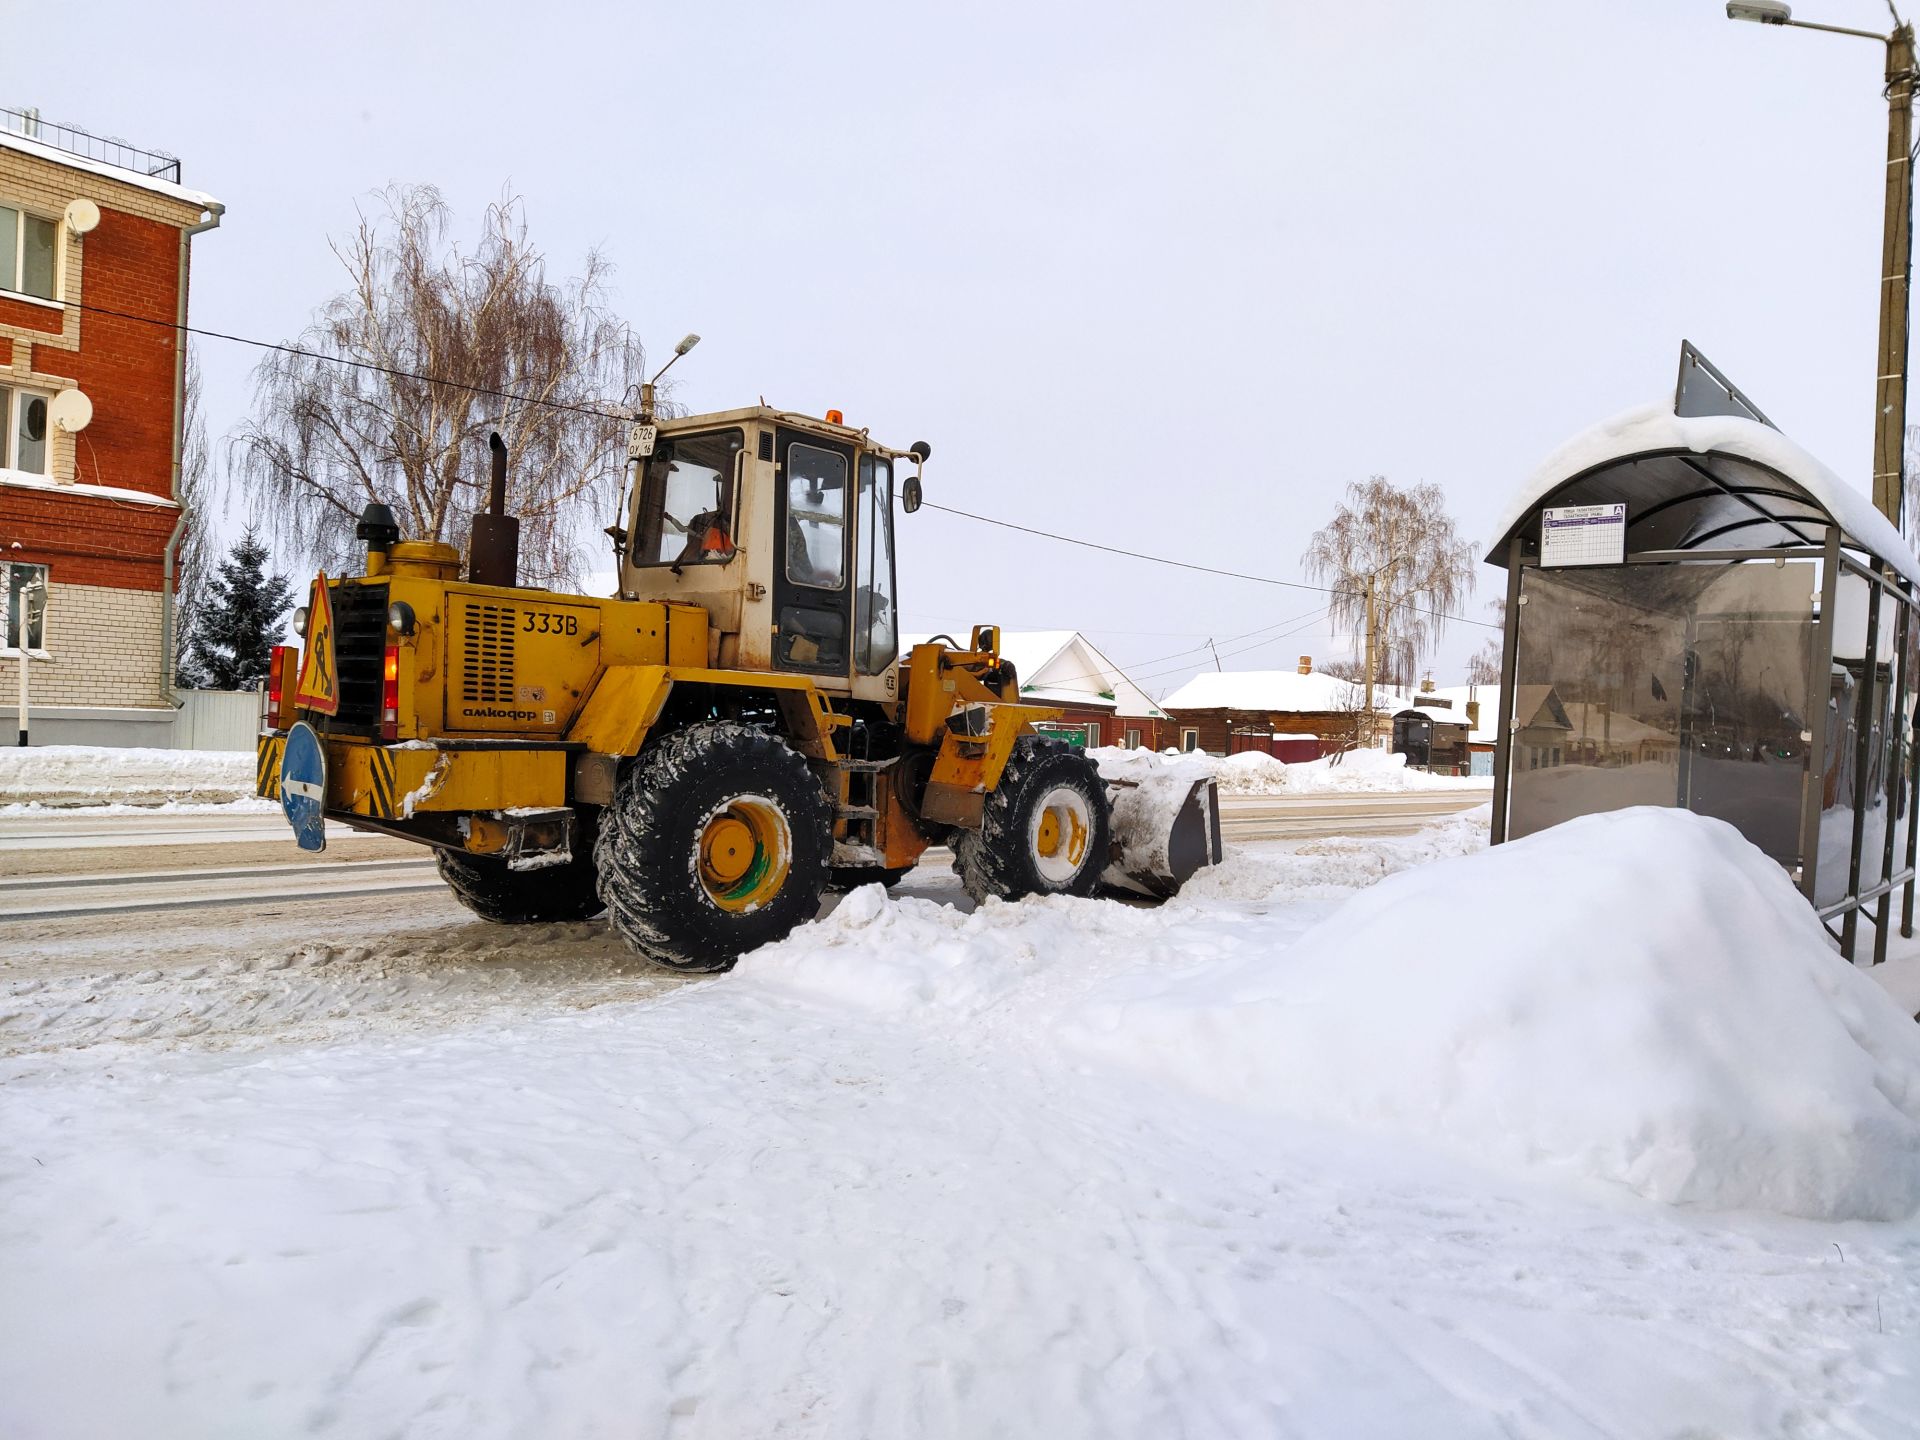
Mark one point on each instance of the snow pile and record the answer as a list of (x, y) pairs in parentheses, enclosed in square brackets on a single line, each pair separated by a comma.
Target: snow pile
[(74, 775), (1330, 869), (1701, 1045), (1358, 772)]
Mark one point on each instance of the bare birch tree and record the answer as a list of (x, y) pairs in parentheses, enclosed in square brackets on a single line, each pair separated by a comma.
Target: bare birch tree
[(198, 547), (1484, 667), (443, 346), (1404, 544)]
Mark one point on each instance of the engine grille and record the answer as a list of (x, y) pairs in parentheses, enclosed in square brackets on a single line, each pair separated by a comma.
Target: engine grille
[(487, 664), (359, 647)]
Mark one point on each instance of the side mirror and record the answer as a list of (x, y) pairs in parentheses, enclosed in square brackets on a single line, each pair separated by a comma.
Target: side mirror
[(921, 451), (910, 494)]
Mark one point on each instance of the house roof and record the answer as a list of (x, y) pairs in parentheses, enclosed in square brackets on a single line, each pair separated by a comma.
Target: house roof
[(1063, 667), (1280, 691), (1487, 732)]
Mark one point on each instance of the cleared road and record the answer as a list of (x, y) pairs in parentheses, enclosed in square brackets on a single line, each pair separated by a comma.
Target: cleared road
[(73, 866)]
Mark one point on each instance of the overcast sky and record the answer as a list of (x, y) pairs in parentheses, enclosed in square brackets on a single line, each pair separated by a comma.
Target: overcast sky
[(1164, 277)]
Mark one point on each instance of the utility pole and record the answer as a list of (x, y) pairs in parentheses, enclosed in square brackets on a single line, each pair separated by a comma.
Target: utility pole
[(1890, 415), (1216, 653), (1896, 260)]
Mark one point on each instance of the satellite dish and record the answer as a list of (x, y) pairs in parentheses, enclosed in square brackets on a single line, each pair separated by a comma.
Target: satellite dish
[(71, 410), (82, 216)]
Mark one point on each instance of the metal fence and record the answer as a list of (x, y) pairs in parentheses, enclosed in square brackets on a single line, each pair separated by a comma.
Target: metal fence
[(216, 719), (27, 124)]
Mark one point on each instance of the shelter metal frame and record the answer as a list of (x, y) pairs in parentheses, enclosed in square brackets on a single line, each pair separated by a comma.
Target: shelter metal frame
[(1837, 554)]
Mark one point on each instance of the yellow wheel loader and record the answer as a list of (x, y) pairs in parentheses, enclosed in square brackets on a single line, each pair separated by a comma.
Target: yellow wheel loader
[(704, 753)]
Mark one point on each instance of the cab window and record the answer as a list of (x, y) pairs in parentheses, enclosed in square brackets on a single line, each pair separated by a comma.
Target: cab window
[(685, 512), (875, 644), (816, 517)]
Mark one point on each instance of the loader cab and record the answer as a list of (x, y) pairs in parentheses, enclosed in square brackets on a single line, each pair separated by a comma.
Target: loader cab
[(781, 527)]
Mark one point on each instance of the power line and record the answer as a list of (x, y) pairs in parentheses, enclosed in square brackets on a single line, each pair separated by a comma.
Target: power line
[(399, 374), (1187, 564), (396, 373)]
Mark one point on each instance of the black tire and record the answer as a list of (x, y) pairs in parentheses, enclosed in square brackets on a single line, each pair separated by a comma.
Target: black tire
[(1003, 856), (852, 877), (661, 898), (546, 896)]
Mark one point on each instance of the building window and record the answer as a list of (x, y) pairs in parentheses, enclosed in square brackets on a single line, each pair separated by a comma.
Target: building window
[(1133, 739), (26, 606), (1189, 740), (27, 252), (23, 431)]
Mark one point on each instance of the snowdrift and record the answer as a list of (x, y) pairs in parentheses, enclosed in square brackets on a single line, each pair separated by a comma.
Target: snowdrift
[(1360, 772), (1638, 998), (75, 775)]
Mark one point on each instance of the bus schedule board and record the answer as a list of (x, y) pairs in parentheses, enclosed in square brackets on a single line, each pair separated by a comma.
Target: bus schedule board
[(1583, 535)]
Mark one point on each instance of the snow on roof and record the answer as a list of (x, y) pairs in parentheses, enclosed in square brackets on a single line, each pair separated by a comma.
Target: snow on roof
[(1275, 690), (198, 198), (1063, 667), (1488, 697), (1653, 428)]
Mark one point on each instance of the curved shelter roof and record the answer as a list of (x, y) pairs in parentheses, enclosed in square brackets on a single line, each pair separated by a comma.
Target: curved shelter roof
[(1709, 482)]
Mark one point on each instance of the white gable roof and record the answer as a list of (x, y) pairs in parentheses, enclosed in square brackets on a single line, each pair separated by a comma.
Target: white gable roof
[(1064, 667)]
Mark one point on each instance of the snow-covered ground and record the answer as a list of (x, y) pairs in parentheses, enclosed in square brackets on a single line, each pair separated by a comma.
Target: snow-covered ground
[(1358, 772), (1356, 1138), (122, 780)]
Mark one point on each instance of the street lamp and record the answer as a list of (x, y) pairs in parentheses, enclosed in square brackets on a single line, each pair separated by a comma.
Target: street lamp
[(1890, 370)]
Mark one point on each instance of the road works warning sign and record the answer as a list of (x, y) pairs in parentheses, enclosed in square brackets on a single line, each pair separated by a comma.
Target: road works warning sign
[(319, 687), (1583, 535)]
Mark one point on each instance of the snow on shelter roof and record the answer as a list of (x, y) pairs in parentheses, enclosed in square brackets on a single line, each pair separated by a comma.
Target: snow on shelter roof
[(1648, 455)]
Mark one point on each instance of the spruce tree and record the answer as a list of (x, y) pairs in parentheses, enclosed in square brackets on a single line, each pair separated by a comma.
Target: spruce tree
[(235, 631)]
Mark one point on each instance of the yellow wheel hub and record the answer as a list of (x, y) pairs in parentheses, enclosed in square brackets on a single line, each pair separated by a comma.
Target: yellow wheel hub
[(1049, 840), (745, 854), (726, 849)]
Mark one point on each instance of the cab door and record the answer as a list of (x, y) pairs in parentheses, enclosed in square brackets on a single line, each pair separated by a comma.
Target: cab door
[(813, 513)]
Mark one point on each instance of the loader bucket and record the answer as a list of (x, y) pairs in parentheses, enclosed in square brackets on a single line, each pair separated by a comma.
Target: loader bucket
[(1165, 829)]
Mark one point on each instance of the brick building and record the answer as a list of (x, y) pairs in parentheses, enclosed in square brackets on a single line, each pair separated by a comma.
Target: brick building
[(94, 243), (1226, 712)]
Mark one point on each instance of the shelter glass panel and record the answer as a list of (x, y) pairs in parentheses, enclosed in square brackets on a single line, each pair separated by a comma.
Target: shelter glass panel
[(1671, 685), (1850, 712)]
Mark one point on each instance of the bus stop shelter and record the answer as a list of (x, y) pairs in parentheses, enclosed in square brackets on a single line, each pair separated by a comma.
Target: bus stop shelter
[(1702, 615)]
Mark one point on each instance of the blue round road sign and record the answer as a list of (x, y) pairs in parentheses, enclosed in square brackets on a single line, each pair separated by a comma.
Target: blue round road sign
[(303, 786)]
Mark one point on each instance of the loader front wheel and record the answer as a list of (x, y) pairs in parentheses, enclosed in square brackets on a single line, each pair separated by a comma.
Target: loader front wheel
[(546, 896), (1044, 830), (717, 842)]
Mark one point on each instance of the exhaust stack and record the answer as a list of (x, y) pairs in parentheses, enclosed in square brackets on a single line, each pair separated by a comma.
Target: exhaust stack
[(494, 554)]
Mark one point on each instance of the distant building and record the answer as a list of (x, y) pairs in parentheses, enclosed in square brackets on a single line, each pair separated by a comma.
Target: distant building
[(1226, 712), (1064, 668), (1464, 727), (94, 239)]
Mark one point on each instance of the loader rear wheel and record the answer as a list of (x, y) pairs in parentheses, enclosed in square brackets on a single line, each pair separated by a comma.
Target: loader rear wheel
[(717, 842), (546, 896), (1044, 831)]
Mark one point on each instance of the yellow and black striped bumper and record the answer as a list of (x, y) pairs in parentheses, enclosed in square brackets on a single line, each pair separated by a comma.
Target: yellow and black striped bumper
[(395, 783), (267, 769)]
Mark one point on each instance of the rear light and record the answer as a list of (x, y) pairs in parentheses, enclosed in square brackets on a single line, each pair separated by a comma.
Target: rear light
[(280, 668), (390, 695)]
